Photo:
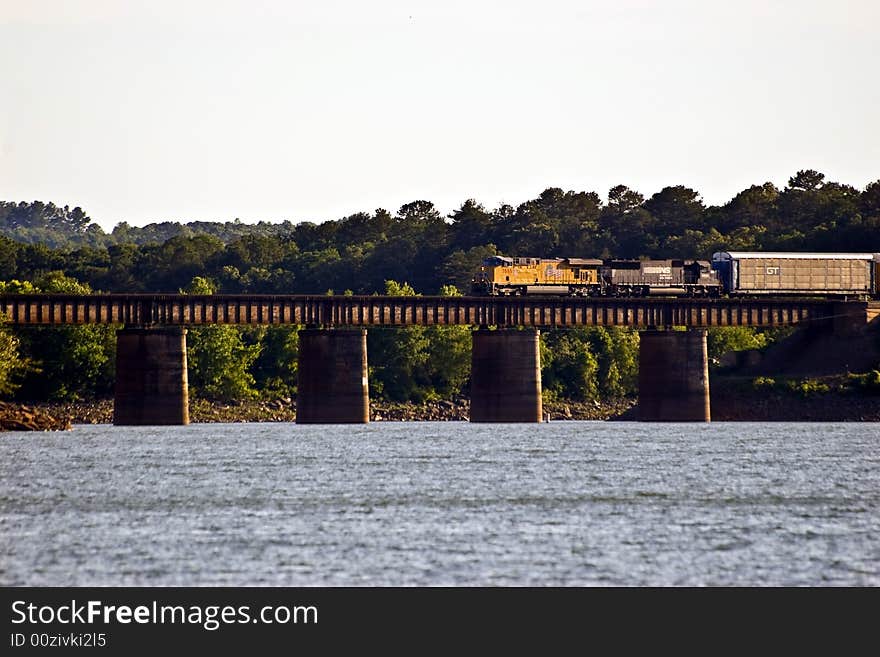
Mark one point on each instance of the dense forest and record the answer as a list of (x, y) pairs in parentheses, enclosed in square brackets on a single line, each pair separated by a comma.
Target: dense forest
[(416, 250)]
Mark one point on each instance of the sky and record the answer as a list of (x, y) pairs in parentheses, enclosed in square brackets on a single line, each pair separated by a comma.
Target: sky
[(187, 110)]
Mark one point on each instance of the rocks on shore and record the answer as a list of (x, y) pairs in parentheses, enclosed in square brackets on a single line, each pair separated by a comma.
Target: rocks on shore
[(284, 410), (732, 399), (588, 410), (17, 417), (433, 411)]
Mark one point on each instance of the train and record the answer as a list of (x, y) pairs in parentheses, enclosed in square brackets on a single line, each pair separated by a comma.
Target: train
[(728, 273)]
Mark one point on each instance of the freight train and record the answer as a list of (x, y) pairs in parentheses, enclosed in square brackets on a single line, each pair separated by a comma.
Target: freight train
[(732, 273)]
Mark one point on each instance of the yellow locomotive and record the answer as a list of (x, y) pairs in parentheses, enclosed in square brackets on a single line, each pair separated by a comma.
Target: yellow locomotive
[(500, 275)]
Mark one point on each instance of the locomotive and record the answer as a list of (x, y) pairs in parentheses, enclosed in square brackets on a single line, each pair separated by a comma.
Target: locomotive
[(729, 272)]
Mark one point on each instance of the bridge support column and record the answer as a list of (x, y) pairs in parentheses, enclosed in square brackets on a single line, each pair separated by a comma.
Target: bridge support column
[(151, 377), (673, 376), (506, 376), (332, 386), (850, 318)]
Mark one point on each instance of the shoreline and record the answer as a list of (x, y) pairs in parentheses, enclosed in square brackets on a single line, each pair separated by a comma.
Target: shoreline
[(202, 411), (737, 399), (732, 400)]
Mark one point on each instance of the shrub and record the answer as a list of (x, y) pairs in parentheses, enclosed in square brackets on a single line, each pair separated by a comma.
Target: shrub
[(808, 387), (763, 383), (868, 382)]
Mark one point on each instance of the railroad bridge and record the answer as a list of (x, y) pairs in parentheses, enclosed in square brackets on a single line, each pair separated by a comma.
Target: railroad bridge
[(151, 370)]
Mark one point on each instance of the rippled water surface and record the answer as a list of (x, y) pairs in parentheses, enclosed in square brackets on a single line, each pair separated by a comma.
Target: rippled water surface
[(564, 503)]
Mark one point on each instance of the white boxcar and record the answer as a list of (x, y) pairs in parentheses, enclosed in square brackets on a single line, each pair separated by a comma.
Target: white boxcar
[(743, 272)]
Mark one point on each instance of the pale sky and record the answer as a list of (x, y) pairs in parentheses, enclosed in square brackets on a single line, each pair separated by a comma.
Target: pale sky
[(186, 110)]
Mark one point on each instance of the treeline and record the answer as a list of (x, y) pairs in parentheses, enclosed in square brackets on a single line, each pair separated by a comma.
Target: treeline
[(414, 251), (418, 245), (55, 226)]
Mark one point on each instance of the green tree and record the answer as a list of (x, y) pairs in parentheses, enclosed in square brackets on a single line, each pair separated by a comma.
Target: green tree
[(569, 368), (589, 363), (16, 286), (12, 364), (460, 266), (627, 228), (755, 206), (448, 355), (471, 226), (869, 201), (8, 258), (275, 369), (818, 210), (617, 355), (806, 180), (675, 208), (70, 362), (249, 251), (399, 357), (219, 358), (173, 264), (723, 339)]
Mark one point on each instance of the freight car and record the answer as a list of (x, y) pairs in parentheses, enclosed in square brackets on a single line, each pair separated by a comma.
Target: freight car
[(505, 276), (823, 274)]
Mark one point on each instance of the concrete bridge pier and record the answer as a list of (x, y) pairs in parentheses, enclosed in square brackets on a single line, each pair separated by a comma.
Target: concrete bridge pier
[(506, 376), (151, 377), (673, 376), (850, 318), (332, 385)]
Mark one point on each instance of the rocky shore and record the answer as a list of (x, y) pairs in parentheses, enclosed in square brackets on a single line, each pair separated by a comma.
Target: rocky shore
[(284, 410), (18, 417), (732, 400)]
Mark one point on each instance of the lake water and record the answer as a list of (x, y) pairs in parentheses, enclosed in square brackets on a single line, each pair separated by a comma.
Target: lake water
[(563, 503)]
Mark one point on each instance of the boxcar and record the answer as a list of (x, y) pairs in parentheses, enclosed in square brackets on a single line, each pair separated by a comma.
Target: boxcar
[(837, 274)]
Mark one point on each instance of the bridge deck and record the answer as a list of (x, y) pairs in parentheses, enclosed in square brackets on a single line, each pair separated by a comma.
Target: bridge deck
[(194, 310)]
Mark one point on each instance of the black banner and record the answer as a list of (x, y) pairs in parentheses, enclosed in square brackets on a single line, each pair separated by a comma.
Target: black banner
[(121, 620)]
